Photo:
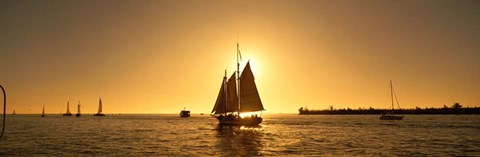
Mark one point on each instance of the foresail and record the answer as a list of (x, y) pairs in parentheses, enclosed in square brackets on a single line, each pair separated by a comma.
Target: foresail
[(221, 100), (100, 106), (232, 98), (68, 107), (249, 98)]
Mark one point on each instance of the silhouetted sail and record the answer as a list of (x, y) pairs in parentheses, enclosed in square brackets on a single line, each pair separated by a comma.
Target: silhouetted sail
[(68, 108), (232, 98), (43, 111), (220, 104), (249, 98), (78, 110), (100, 106)]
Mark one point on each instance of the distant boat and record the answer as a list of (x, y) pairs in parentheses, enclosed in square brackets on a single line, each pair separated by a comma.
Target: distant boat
[(184, 113), (238, 95), (13, 112), (201, 114), (68, 110), (391, 115), (78, 110), (99, 109), (43, 111)]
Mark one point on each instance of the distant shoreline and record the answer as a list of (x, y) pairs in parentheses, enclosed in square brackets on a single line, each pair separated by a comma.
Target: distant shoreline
[(417, 111)]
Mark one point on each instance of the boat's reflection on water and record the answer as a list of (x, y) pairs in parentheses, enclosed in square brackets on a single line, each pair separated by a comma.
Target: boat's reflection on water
[(239, 140)]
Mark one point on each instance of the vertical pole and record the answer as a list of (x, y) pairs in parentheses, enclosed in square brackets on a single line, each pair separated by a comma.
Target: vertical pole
[(238, 84), (391, 93), (225, 91), (4, 110)]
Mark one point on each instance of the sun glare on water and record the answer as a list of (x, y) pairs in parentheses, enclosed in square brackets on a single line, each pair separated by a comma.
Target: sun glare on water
[(249, 114)]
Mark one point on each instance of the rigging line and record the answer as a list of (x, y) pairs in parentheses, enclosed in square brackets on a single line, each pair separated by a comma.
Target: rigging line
[(395, 94), (4, 110)]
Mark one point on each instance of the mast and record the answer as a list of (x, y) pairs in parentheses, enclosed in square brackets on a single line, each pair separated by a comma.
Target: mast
[(238, 78), (43, 111), (225, 91), (391, 93)]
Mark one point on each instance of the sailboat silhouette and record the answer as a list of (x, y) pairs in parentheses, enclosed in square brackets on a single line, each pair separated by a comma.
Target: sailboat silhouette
[(68, 110), (43, 111), (99, 113), (238, 95)]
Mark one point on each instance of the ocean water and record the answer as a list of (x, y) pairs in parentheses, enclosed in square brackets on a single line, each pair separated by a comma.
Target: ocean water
[(278, 135)]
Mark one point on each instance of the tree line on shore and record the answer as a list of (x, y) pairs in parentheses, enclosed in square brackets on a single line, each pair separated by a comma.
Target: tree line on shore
[(456, 108)]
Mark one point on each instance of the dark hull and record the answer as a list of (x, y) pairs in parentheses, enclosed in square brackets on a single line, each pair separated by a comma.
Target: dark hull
[(391, 117), (43, 115), (185, 114), (235, 121), (99, 114), (67, 114), (78, 114)]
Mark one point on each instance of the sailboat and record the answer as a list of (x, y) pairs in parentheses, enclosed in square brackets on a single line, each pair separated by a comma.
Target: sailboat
[(43, 111), (78, 110), (391, 115), (237, 95), (99, 109), (68, 110), (13, 112)]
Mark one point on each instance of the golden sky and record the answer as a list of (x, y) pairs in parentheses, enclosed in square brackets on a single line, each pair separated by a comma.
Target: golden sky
[(160, 56)]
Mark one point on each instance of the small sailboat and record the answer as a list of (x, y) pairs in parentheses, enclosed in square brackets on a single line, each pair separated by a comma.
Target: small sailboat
[(78, 110), (43, 111), (238, 95), (391, 115), (13, 112), (184, 113), (99, 113), (68, 110)]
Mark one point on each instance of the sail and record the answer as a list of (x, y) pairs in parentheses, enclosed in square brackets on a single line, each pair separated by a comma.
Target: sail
[(68, 107), (221, 100), (78, 111), (43, 111), (100, 106), (232, 98), (249, 97)]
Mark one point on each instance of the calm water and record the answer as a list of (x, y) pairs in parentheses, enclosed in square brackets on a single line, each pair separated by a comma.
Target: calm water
[(279, 134)]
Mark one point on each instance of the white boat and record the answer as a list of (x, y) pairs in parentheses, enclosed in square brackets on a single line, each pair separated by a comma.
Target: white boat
[(238, 95), (391, 115), (99, 113)]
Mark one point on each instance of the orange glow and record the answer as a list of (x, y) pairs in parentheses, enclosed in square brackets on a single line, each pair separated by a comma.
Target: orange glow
[(161, 56)]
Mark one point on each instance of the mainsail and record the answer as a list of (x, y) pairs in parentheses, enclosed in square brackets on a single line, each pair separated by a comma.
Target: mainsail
[(100, 106), (227, 100), (249, 97), (68, 108), (232, 99)]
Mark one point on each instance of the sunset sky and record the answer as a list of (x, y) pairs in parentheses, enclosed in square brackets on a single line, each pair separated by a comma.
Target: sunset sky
[(160, 56)]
